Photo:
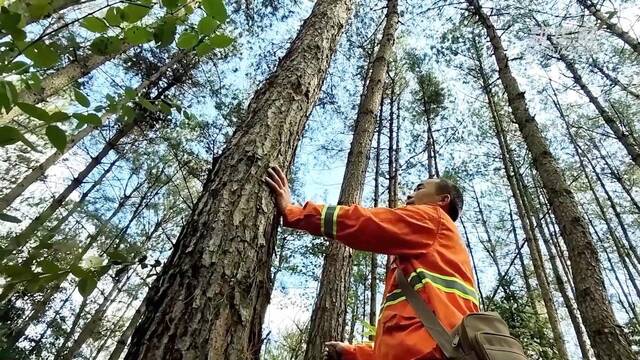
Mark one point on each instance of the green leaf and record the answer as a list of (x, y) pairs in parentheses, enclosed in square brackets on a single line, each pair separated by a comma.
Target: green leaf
[(215, 9), (38, 8), (94, 24), (57, 137), (42, 55), (17, 272), (114, 16), (165, 108), (204, 49), (89, 119), (133, 13), (148, 105), (130, 94), (10, 135), (137, 35), (58, 116), (187, 40), (117, 256), (81, 98), (207, 25), (172, 4), (19, 67), (11, 91), (18, 35), (9, 218), (9, 20), (49, 266), (106, 45), (79, 272), (165, 32), (86, 285), (220, 41), (34, 111)]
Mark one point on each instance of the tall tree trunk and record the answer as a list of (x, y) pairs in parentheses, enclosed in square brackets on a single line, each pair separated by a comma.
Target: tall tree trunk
[(327, 318), (614, 80), (94, 321), (27, 233), (109, 336), (473, 262), (56, 6), (626, 139), (373, 270), (562, 287), (7, 199), (56, 82), (615, 174), (525, 273), (72, 328), (512, 174), (613, 28), (224, 295), (40, 307), (354, 315), (123, 339), (607, 338)]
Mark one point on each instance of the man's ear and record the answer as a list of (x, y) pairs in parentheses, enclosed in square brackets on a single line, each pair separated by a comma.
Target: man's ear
[(445, 199)]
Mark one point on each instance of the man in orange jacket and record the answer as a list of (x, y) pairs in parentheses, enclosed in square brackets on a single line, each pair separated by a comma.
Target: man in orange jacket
[(426, 247)]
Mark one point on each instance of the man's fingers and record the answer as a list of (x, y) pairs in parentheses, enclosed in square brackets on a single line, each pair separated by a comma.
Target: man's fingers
[(275, 178), (271, 184), (282, 176)]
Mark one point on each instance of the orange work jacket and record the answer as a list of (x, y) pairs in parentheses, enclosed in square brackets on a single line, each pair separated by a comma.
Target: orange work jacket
[(427, 248)]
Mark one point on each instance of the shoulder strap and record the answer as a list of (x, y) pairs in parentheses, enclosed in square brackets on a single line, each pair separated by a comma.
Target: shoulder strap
[(428, 318)]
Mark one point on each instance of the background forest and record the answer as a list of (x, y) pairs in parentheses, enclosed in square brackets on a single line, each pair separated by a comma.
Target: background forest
[(134, 136)]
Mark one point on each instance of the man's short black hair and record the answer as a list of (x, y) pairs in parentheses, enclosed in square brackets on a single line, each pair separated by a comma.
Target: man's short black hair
[(447, 187)]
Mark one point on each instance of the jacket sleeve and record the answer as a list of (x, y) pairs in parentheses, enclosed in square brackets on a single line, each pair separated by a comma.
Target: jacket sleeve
[(402, 231), (358, 352)]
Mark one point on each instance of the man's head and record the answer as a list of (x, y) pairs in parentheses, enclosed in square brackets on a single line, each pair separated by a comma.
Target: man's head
[(441, 192)]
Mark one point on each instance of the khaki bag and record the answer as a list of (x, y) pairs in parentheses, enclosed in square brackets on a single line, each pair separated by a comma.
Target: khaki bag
[(480, 336)]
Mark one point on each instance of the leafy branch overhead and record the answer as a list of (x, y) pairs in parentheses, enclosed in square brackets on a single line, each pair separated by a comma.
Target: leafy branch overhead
[(28, 61)]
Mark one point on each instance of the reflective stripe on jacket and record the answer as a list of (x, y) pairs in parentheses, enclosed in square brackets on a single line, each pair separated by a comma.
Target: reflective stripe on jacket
[(429, 251)]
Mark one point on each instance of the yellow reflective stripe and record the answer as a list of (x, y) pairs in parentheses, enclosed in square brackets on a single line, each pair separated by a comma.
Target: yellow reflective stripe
[(446, 289), (322, 214), (335, 222), (451, 278)]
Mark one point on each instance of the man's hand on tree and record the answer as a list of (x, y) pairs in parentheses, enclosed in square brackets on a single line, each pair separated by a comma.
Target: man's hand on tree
[(279, 186), (333, 350)]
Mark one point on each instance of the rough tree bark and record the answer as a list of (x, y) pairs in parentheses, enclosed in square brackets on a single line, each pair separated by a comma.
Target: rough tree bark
[(373, 270), (327, 318), (218, 275), (607, 338)]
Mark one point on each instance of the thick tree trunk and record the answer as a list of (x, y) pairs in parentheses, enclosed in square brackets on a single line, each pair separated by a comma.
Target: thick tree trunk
[(218, 275), (626, 139), (56, 6), (607, 338), (7, 199), (613, 28), (327, 318)]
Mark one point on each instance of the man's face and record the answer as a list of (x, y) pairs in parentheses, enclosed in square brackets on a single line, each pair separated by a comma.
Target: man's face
[(426, 193)]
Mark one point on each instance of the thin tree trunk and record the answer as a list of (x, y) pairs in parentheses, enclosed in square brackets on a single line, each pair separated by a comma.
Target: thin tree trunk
[(354, 316), (122, 341), (473, 262), (525, 274), (613, 28), (7, 199), (626, 139), (72, 329), (56, 82), (373, 290), (109, 335), (517, 189), (607, 338), (224, 295), (562, 288), (327, 318), (615, 174), (614, 80), (94, 321)]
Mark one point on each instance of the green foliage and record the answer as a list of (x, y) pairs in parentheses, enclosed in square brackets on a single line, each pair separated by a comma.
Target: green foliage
[(42, 54), (81, 98), (57, 137), (95, 24), (137, 35)]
